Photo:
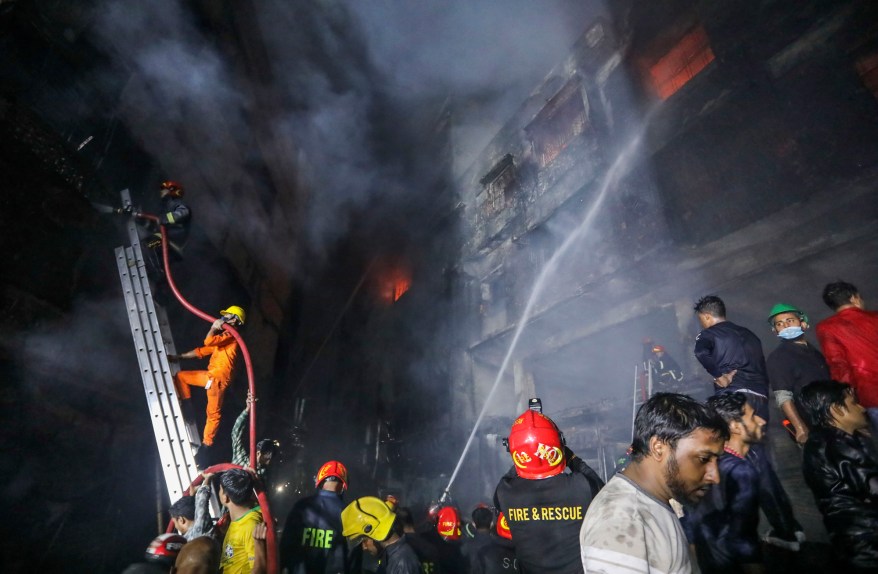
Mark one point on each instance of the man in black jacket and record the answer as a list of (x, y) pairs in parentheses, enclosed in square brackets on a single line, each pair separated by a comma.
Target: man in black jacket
[(175, 216), (733, 356), (312, 541), (482, 517), (841, 468), (545, 505), (498, 557), (370, 523), (724, 527)]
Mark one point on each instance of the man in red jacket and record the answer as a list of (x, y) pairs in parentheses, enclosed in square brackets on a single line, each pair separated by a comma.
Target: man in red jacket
[(850, 343)]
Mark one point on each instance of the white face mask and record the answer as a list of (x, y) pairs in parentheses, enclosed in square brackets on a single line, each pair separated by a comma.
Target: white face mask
[(791, 333)]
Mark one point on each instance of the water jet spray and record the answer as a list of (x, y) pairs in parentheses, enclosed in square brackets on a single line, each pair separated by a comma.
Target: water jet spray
[(611, 177)]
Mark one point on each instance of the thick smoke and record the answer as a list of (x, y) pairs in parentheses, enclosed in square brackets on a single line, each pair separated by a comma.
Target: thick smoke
[(336, 71), (344, 89)]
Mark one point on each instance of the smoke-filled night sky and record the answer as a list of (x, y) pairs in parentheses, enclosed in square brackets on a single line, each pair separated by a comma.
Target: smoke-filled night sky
[(333, 148)]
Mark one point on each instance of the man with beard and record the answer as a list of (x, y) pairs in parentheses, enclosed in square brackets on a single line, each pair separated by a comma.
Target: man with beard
[(630, 524), (732, 354), (724, 527)]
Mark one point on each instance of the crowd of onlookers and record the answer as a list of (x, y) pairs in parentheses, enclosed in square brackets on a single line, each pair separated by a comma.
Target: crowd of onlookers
[(697, 479)]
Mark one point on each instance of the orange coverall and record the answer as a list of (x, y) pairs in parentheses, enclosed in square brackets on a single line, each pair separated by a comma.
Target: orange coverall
[(223, 349)]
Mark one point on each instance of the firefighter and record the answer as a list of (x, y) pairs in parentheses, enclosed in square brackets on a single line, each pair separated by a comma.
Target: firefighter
[(222, 348), (312, 542), (446, 539), (498, 557), (666, 371), (544, 502), (478, 535), (175, 216), (369, 522)]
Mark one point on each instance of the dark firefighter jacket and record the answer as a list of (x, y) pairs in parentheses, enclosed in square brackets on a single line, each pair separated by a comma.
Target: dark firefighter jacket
[(727, 347), (435, 554), (724, 526), (666, 371), (842, 472), (312, 542), (472, 547), (399, 558), (497, 557), (176, 217), (545, 516)]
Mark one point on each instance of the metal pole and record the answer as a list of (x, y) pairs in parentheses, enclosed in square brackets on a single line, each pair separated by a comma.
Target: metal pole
[(159, 485), (634, 402)]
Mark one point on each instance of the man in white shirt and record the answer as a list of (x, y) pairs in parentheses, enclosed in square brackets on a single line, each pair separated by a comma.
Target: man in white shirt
[(630, 526)]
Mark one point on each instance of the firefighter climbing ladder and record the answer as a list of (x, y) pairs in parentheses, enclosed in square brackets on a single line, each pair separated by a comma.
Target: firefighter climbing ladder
[(175, 438)]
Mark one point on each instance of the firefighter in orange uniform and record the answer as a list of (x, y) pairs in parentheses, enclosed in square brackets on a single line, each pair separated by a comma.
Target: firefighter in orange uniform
[(222, 348)]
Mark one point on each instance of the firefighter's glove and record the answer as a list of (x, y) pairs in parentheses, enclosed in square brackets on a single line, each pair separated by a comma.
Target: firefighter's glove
[(568, 454)]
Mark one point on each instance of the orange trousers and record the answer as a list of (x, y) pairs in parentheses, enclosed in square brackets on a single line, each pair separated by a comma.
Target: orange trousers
[(186, 379)]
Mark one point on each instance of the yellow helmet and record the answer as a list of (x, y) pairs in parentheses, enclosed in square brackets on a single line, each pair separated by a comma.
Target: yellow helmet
[(367, 516), (237, 312)]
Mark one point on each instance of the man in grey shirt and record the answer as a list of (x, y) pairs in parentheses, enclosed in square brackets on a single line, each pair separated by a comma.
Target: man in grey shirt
[(630, 526)]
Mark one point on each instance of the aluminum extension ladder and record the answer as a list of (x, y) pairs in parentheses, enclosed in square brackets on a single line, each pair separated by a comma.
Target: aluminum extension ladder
[(641, 393), (176, 438)]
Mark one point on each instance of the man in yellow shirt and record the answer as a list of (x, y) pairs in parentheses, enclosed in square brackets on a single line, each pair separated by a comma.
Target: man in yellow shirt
[(243, 550)]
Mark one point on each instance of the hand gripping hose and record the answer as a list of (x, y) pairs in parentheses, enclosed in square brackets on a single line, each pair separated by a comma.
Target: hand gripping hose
[(263, 503)]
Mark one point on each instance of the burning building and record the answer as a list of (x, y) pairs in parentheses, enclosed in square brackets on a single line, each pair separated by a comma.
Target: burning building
[(726, 150), (390, 273)]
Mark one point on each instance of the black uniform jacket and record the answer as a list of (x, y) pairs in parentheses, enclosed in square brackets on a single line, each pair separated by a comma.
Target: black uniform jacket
[(842, 472), (545, 516), (727, 347), (498, 557), (399, 558), (176, 217), (312, 542)]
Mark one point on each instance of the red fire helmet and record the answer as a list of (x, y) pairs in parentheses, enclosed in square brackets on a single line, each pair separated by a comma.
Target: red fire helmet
[(503, 527), (448, 525), (164, 549), (332, 468), (536, 446), (658, 349), (174, 188)]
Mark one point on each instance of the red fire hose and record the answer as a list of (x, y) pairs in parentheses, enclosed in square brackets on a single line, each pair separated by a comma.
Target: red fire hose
[(263, 502), (260, 493)]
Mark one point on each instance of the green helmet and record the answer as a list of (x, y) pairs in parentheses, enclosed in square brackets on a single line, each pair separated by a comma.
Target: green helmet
[(784, 308)]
